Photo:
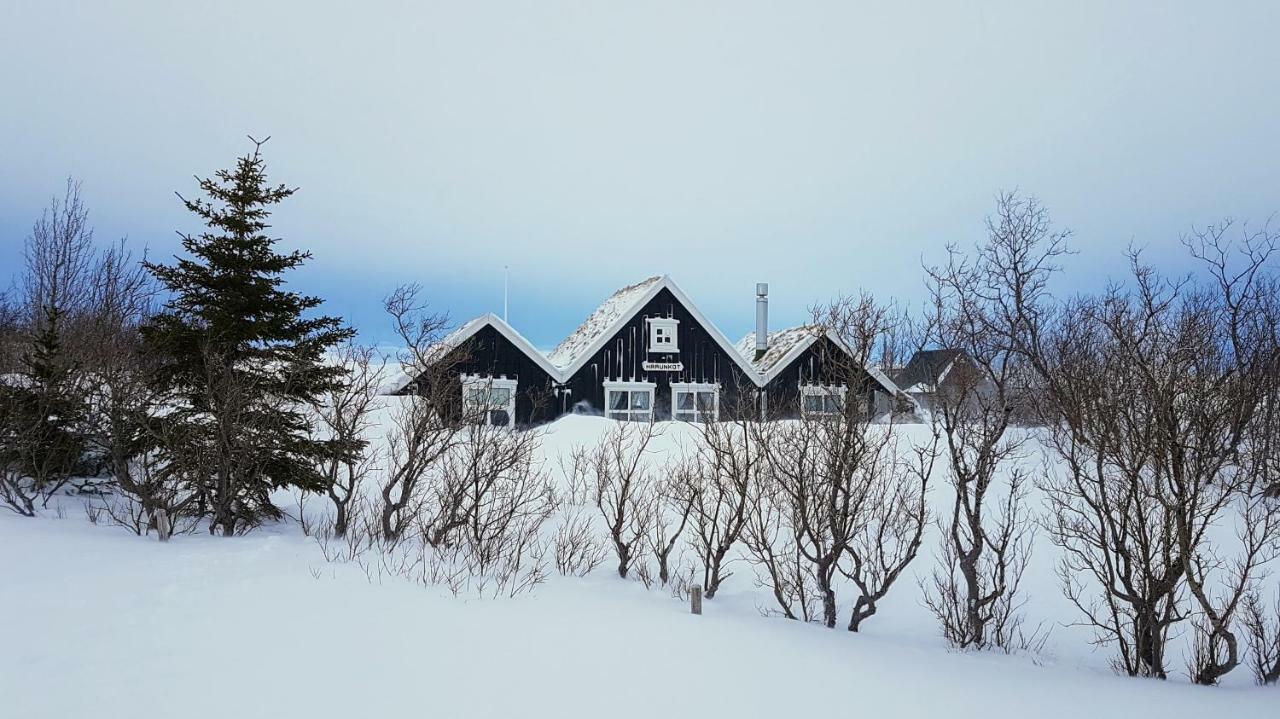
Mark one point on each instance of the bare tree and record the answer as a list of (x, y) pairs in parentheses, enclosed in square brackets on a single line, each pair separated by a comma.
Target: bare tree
[(1183, 427), (773, 545), (1211, 370), (59, 256), (730, 458), (825, 474), (987, 538), (346, 415), (1156, 397), (897, 515), (623, 490), (673, 501), (578, 550), (423, 428), (1262, 628), (491, 502), (1104, 514), (45, 402)]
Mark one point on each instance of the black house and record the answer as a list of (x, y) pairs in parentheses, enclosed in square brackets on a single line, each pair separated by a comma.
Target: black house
[(793, 370), (647, 353)]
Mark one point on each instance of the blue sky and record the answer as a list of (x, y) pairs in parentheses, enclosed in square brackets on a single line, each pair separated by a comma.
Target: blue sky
[(822, 147)]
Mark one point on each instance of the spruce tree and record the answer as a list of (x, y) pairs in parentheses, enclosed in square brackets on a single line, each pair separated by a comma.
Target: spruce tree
[(238, 355), (43, 411)]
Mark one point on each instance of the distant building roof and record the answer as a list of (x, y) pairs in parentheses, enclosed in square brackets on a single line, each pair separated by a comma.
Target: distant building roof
[(925, 369)]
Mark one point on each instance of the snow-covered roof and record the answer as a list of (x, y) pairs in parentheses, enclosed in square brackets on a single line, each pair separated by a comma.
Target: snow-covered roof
[(927, 369), (785, 345), (571, 354), (781, 344), (463, 333), (599, 325), (578, 348)]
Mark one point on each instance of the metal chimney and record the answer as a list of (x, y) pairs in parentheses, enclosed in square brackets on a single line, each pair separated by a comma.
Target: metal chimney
[(762, 318)]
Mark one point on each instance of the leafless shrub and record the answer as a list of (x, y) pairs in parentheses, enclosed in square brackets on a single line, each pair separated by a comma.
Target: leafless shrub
[(578, 549), (17, 491), (361, 536), (725, 466), (973, 593), (422, 429), (890, 537), (1156, 399), (832, 486), (345, 416), (623, 490), (41, 402), (480, 528), (1262, 628), (579, 478), (683, 579), (462, 502), (675, 496), (773, 547)]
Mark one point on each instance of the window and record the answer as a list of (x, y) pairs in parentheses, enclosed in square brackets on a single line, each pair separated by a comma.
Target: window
[(490, 401), (822, 400), (692, 402), (629, 401), (662, 334)]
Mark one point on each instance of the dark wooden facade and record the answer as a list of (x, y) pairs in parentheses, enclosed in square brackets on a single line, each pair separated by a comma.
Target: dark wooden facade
[(622, 358), (782, 392), (489, 353), (488, 347)]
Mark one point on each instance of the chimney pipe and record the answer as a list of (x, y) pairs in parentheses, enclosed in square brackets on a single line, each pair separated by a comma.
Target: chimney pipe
[(762, 318)]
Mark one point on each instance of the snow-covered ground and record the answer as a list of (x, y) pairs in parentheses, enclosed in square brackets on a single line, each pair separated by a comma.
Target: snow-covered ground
[(95, 622)]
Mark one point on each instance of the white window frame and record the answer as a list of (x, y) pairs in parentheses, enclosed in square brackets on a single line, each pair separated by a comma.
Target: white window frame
[(629, 414), (487, 383), (697, 414), (664, 334), (826, 391)]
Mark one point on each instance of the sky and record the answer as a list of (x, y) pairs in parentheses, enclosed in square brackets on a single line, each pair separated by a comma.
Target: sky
[(825, 148)]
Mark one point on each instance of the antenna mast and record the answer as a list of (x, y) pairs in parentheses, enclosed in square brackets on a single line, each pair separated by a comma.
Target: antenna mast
[(504, 292)]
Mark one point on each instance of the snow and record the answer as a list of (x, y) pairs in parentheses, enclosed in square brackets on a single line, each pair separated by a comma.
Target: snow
[(96, 622), (616, 309), (781, 344), (401, 377)]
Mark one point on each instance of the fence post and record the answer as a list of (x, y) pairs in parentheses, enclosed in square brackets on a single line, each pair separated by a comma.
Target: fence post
[(695, 599), (163, 528)]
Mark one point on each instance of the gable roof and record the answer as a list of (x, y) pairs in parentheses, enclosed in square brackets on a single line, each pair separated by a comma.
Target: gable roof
[(788, 344), (927, 367), (614, 311), (578, 348), (467, 330), (784, 345)]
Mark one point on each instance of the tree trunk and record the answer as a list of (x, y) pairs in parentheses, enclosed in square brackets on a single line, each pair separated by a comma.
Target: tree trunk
[(863, 609)]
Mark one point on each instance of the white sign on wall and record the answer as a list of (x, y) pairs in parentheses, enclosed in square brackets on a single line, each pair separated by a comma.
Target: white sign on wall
[(662, 366)]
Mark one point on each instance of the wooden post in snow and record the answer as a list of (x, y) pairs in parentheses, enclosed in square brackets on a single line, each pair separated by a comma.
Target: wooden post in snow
[(163, 528), (695, 599)]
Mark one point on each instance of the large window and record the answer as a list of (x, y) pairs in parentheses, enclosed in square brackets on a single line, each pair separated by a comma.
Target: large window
[(629, 401), (693, 402), (489, 400), (822, 400)]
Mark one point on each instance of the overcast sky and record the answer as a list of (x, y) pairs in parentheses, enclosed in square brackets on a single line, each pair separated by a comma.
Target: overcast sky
[(822, 147)]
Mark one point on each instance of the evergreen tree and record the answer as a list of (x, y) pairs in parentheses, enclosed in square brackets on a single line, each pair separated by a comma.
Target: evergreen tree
[(241, 361), (42, 410)]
